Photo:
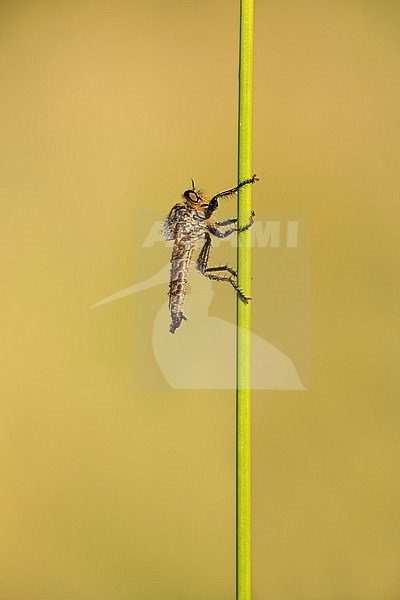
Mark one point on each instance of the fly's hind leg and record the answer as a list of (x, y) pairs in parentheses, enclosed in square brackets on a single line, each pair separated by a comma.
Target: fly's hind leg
[(229, 278), (215, 273)]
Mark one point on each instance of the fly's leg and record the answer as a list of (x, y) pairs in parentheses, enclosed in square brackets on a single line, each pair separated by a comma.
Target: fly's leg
[(236, 188), (213, 205), (223, 234), (204, 255), (214, 273), (230, 280), (224, 268), (227, 222)]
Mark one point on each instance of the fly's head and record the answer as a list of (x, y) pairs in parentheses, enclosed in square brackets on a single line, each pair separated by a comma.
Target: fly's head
[(198, 200)]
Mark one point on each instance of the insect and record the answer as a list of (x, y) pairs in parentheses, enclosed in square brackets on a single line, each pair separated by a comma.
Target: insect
[(189, 222)]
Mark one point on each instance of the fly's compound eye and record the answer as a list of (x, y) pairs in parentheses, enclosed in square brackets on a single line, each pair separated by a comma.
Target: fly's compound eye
[(191, 196)]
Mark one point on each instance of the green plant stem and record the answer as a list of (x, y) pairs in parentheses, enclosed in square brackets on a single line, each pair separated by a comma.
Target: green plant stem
[(243, 394)]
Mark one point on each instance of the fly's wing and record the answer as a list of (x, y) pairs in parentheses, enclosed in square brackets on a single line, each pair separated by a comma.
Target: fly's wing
[(171, 223), (180, 264)]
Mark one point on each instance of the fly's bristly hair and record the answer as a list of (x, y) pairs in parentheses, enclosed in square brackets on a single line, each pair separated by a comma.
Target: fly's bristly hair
[(189, 222)]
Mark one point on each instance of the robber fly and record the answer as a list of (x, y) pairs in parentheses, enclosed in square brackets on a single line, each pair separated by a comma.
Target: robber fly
[(191, 221)]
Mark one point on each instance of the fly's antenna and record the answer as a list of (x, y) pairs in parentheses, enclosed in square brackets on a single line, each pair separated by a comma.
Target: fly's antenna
[(193, 186)]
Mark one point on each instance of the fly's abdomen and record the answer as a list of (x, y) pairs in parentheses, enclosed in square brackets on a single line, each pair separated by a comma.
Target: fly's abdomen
[(180, 264)]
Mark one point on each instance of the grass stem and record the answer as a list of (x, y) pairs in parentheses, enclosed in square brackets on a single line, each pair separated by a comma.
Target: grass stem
[(243, 393)]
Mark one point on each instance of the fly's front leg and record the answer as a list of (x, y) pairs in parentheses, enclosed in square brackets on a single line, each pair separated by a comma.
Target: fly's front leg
[(214, 273), (234, 190), (213, 205)]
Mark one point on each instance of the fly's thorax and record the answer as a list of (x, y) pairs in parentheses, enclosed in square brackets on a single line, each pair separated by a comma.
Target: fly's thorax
[(189, 219)]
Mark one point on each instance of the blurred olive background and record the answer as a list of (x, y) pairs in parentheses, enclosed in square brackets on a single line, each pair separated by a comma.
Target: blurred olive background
[(109, 107)]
